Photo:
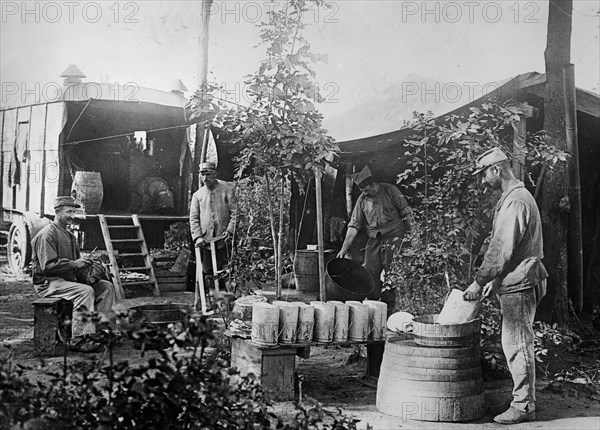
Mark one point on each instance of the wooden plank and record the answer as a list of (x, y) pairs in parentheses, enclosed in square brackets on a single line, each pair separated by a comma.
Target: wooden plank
[(175, 286), (146, 252), (114, 267)]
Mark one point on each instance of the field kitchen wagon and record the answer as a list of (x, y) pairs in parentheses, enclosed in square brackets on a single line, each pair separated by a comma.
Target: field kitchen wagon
[(118, 149)]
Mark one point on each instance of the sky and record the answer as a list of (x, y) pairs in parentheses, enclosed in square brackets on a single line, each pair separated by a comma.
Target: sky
[(371, 45)]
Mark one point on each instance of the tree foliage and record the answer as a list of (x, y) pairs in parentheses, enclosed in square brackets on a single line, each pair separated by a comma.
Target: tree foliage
[(452, 212)]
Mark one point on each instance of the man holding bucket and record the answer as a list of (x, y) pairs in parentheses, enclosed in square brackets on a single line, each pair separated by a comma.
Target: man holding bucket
[(383, 210), (513, 270)]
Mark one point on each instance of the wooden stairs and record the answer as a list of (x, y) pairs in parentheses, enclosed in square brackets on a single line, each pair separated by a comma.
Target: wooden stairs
[(124, 238)]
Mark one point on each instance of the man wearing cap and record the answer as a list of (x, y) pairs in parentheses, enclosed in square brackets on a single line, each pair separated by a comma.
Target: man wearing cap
[(383, 211), (56, 258), (513, 270), (213, 214)]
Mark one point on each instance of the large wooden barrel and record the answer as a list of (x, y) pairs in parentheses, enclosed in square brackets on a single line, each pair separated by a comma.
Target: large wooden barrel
[(306, 269), (88, 191), (430, 384)]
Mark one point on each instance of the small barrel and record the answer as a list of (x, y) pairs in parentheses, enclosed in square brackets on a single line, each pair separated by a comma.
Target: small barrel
[(306, 269), (306, 322), (288, 322), (427, 333), (242, 308), (430, 384), (377, 319), (265, 324), (324, 321), (88, 191), (358, 329), (342, 319)]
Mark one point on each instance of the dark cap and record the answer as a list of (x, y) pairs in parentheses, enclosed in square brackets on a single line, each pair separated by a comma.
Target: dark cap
[(208, 167), (65, 201)]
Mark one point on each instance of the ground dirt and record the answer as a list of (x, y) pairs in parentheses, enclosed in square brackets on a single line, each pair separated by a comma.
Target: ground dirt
[(333, 376)]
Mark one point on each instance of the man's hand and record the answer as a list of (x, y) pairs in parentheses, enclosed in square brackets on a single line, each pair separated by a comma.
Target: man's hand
[(227, 235), (81, 262), (343, 253), (490, 288), (473, 292), (199, 242)]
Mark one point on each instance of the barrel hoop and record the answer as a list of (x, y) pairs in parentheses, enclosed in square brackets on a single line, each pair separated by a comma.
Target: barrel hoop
[(410, 348)]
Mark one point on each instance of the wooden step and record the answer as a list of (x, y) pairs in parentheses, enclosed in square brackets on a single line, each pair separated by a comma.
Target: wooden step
[(131, 254), (134, 269), (141, 251), (134, 283)]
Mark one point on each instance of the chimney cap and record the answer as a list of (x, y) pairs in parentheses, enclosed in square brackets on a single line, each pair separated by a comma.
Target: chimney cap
[(178, 86), (72, 72)]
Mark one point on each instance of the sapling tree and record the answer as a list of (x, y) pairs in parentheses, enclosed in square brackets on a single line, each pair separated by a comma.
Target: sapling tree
[(280, 133)]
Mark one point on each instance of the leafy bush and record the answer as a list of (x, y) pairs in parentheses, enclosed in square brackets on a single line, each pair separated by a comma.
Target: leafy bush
[(187, 386)]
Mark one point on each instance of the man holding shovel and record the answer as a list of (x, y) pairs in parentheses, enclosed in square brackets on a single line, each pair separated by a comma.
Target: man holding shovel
[(513, 270), (213, 214)]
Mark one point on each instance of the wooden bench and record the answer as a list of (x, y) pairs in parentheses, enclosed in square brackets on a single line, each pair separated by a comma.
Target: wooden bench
[(49, 317), (274, 366)]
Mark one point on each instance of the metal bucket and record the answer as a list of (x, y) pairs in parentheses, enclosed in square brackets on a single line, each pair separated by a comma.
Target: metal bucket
[(265, 324), (288, 321), (324, 321), (306, 322), (348, 280)]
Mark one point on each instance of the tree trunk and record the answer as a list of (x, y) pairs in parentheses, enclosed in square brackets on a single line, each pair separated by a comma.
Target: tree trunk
[(555, 191), (273, 233)]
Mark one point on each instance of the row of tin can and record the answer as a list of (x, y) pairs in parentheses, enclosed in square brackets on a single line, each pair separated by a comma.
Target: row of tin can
[(324, 322)]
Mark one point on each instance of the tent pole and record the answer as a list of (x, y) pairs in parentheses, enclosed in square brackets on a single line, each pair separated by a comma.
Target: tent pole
[(322, 292)]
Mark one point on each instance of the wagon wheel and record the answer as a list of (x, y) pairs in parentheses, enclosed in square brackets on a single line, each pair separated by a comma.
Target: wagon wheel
[(19, 248)]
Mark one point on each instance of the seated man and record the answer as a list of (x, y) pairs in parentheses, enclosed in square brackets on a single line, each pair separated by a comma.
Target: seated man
[(56, 258)]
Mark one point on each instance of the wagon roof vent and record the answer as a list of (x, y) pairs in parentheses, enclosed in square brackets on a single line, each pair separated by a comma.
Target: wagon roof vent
[(72, 75), (177, 86)]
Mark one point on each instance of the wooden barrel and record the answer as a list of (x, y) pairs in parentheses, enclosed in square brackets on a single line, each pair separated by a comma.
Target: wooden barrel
[(306, 269), (430, 384), (427, 333), (88, 191)]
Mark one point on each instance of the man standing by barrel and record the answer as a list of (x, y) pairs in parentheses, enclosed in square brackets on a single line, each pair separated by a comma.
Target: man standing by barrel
[(513, 270), (213, 214), (383, 211)]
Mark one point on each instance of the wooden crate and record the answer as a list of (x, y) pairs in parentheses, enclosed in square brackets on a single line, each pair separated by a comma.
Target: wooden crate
[(50, 316), (274, 367), (171, 281)]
